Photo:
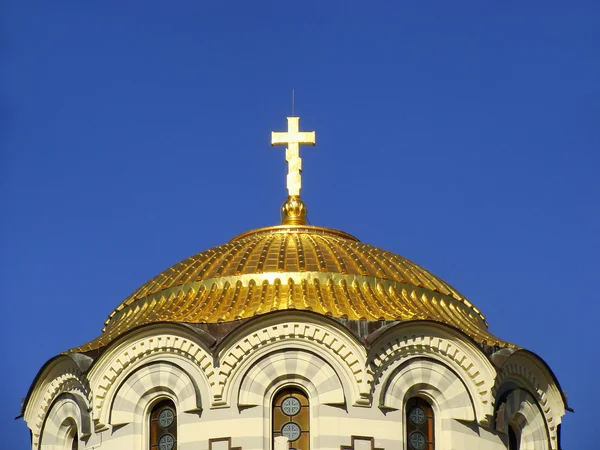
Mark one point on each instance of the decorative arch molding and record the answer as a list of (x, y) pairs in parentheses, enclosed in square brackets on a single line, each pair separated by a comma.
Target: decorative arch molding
[(166, 343), (520, 409), (148, 381), (302, 331), (61, 376), (430, 379), (67, 416), (526, 370), (291, 365), (441, 343)]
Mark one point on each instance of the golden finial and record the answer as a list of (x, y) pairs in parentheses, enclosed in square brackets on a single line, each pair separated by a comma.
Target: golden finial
[(293, 211)]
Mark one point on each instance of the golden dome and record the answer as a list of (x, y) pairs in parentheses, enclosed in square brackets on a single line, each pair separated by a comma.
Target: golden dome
[(295, 267)]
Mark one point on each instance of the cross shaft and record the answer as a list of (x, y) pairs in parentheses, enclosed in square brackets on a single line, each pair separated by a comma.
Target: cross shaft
[(293, 138)]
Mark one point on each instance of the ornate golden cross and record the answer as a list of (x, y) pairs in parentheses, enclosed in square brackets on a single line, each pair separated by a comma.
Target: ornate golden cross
[(293, 138)]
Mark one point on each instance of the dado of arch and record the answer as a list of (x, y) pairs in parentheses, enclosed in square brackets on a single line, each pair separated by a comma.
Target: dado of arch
[(521, 411), (165, 343), (302, 331), (143, 385), (444, 344), (430, 379), (291, 365), (67, 419)]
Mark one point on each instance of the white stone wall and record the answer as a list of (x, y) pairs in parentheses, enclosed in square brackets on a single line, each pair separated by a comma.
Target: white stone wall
[(354, 390)]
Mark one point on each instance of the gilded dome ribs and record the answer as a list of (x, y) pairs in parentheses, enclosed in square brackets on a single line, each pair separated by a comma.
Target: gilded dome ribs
[(185, 306), (158, 283), (226, 261), (353, 291), (262, 260), (389, 263), (325, 308), (237, 305), (214, 265), (373, 303), (250, 246), (379, 270), (205, 265), (143, 311), (177, 271), (409, 275), (403, 312), (191, 270), (276, 300), (461, 323), (290, 295), (319, 254), (306, 301), (222, 302), (345, 299), (334, 257), (340, 312), (300, 254), (225, 311), (414, 305), (169, 303), (295, 267), (350, 257), (264, 290), (210, 302), (425, 303), (281, 257)]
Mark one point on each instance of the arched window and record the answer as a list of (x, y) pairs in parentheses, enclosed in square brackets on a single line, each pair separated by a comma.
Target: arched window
[(513, 439), (419, 425), (75, 441), (163, 426), (69, 437), (291, 418)]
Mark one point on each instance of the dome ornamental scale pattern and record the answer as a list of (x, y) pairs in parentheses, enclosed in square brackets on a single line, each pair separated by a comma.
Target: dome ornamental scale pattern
[(294, 266)]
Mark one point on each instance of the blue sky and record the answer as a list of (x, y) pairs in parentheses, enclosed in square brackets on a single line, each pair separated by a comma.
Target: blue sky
[(462, 135)]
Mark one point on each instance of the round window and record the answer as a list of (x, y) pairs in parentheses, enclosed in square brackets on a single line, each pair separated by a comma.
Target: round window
[(291, 431), (165, 418), (417, 440), (166, 442), (291, 406), (417, 415)]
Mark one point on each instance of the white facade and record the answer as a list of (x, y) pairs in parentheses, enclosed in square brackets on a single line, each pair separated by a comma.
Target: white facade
[(358, 388)]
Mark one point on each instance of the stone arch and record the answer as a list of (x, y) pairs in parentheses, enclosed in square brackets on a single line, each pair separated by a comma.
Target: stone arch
[(67, 416), (167, 343), (440, 343), (520, 409), (326, 387), (524, 369), (60, 376), (430, 379), (147, 383), (302, 331)]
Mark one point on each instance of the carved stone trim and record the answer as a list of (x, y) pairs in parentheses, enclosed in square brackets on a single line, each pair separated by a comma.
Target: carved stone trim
[(291, 365), (433, 379), (353, 440), (135, 352), (430, 342), (318, 337), (153, 378), (520, 409), (518, 370), (222, 439), (66, 408), (69, 381)]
